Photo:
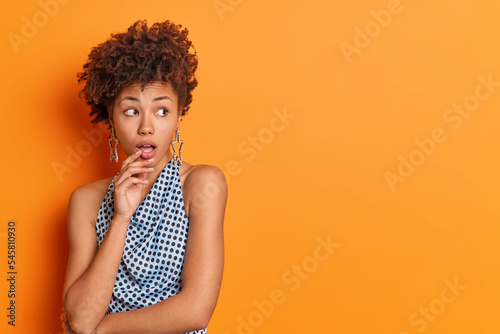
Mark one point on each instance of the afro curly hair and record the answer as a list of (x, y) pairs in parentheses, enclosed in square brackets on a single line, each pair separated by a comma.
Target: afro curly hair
[(139, 56)]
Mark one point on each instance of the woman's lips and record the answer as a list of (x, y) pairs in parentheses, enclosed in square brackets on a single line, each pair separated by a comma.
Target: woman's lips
[(148, 151)]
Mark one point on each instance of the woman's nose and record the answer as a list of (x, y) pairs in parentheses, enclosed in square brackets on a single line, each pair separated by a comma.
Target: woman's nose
[(146, 126)]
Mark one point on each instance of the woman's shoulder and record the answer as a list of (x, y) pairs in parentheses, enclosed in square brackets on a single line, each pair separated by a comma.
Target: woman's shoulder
[(201, 182), (201, 176), (89, 195)]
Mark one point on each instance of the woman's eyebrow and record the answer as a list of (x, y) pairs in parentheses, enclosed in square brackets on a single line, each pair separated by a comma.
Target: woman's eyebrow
[(131, 98), (161, 98)]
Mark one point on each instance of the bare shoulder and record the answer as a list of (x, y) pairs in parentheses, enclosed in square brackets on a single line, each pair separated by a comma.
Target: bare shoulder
[(91, 191), (198, 177), (85, 200), (204, 186)]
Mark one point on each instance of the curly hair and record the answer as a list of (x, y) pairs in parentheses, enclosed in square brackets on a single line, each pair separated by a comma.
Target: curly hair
[(139, 56)]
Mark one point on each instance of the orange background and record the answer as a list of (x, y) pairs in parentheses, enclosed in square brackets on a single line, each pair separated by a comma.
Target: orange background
[(353, 117)]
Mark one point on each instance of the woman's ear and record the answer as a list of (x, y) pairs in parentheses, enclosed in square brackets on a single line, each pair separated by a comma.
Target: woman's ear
[(111, 125), (109, 108)]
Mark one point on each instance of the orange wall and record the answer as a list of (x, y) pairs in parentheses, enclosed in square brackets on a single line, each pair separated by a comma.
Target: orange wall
[(360, 140)]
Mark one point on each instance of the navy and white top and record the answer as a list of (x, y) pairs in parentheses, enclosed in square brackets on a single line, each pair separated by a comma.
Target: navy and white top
[(153, 256)]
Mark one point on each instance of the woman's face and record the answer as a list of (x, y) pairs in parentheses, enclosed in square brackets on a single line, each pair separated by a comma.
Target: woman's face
[(146, 120)]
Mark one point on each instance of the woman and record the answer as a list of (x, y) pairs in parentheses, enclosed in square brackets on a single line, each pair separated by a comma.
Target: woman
[(133, 267)]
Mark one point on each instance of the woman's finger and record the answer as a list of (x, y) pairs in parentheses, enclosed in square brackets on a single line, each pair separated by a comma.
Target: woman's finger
[(131, 158), (134, 172), (129, 181)]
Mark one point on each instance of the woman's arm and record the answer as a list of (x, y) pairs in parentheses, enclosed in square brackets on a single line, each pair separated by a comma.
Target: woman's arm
[(205, 193), (91, 272)]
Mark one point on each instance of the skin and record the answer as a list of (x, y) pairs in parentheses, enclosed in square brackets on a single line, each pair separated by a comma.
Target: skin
[(149, 115)]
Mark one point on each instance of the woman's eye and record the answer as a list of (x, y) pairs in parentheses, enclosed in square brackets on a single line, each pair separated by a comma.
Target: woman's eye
[(162, 112), (130, 112)]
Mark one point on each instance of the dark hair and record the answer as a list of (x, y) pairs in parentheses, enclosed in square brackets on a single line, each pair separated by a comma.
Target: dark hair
[(139, 56)]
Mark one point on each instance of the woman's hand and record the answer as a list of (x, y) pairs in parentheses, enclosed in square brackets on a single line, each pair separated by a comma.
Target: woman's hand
[(128, 186)]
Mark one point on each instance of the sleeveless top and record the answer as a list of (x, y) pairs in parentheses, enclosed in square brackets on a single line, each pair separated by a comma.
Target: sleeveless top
[(153, 255)]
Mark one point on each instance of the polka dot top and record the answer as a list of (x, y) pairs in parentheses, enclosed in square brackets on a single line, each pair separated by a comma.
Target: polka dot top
[(153, 256)]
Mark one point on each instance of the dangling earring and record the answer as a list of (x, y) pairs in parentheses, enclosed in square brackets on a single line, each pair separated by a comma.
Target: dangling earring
[(177, 158), (112, 137)]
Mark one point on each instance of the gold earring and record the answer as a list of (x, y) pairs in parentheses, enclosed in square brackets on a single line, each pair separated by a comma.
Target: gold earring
[(112, 137), (177, 158)]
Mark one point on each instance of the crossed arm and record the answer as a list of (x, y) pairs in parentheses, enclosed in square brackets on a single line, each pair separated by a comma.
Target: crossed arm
[(92, 272)]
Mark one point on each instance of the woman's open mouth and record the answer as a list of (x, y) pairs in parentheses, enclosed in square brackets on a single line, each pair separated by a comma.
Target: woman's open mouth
[(148, 151)]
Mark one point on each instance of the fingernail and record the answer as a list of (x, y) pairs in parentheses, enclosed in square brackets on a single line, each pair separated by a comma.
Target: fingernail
[(138, 151)]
